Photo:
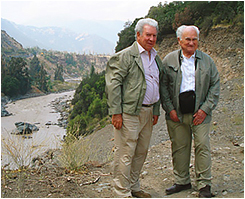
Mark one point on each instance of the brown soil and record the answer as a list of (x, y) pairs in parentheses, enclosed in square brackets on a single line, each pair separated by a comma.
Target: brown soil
[(94, 180)]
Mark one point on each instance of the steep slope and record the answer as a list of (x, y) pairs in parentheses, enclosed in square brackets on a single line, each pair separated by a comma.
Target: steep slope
[(10, 47), (8, 42)]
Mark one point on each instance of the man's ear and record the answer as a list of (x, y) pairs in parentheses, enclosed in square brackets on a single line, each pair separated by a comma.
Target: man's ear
[(178, 40), (138, 34)]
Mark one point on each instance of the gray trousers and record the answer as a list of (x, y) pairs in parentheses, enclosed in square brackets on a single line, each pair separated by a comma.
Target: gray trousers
[(181, 137), (131, 148)]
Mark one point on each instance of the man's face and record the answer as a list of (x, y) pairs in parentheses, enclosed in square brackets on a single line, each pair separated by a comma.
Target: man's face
[(189, 41), (148, 38)]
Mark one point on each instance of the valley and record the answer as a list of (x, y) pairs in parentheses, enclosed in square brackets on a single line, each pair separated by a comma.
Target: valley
[(49, 179)]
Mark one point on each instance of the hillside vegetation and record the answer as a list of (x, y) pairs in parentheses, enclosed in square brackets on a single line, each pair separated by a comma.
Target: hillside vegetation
[(204, 14), (48, 71)]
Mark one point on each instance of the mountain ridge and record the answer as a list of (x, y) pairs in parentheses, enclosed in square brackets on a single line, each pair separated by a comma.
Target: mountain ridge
[(58, 38)]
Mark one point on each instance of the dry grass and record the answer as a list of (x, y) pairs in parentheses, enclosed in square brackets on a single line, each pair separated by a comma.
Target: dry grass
[(17, 155), (75, 153), (18, 151)]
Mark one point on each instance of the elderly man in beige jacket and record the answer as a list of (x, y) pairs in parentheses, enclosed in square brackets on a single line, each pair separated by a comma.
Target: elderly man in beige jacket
[(132, 87)]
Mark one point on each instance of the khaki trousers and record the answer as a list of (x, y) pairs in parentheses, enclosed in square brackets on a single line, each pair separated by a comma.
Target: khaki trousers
[(181, 137), (131, 147)]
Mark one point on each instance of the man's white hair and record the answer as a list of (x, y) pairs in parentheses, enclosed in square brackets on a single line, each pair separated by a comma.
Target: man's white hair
[(181, 29), (147, 21)]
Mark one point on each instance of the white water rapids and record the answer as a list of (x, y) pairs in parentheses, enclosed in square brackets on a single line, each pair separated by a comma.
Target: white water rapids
[(37, 111)]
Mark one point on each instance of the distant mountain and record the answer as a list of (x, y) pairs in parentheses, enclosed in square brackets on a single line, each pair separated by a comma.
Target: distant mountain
[(56, 38), (11, 48), (7, 42), (106, 29)]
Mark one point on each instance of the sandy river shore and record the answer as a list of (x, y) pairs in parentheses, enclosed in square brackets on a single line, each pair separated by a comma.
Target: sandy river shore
[(38, 111)]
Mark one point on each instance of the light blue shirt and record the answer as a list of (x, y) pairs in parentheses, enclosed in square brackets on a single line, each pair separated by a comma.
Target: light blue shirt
[(151, 75)]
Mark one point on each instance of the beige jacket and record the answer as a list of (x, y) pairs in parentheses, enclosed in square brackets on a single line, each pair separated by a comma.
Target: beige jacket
[(125, 82)]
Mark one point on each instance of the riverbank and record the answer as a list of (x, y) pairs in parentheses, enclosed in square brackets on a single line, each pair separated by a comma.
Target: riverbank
[(45, 112), (34, 92)]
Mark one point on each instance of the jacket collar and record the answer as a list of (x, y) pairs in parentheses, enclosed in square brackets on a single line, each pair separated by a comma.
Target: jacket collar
[(197, 54), (135, 50), (136, 53)]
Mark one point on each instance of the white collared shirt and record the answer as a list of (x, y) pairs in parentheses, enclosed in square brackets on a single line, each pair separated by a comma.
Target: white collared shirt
[(151, 75), (188, 74)]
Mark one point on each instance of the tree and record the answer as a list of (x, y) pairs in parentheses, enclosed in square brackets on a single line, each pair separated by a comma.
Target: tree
[(90, 104), (169, 16), (92, 71), (10, 86), (185, 17), (42, 79), (70, 60), (58, 74), (4, 69), (95, 108), (25, 81), (34, 68), (127, 35), (15, 77), (164, 15)]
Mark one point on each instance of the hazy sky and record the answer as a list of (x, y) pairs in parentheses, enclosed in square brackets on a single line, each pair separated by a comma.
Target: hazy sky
[(45, 13)]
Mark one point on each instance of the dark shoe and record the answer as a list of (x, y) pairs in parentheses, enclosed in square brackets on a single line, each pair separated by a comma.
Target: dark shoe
[(177, 188), (140, 194), (205, 192)]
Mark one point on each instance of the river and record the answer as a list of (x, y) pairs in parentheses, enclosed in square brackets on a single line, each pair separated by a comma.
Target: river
[(38, 111)]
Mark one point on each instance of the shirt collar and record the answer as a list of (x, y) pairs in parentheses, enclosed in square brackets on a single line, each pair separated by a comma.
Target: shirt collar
[(192, 56), (142, 50)]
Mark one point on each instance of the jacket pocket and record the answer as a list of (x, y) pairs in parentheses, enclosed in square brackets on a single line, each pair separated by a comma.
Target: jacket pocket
[(172, 75)]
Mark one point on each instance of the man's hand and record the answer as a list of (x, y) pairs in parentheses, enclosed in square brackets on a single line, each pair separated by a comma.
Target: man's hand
[(199, 117), (174, 116), (116, 120), (155, 119)]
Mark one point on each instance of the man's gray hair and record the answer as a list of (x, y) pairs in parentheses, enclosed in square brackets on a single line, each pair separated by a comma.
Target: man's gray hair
[(147, 21), (181, 29)]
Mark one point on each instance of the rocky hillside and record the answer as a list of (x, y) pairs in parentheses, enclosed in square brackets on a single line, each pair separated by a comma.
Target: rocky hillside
[(7, 43), (10, 46), (48, 179), (75, 65)]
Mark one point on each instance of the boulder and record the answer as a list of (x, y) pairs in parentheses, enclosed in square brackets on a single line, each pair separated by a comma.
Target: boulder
[(25, 128), (4, 113)]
